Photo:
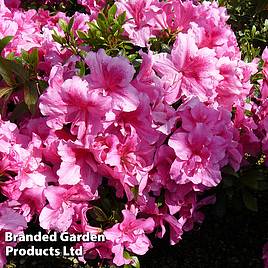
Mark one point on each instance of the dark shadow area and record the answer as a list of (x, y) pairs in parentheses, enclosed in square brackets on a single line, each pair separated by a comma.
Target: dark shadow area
[(234, 241)]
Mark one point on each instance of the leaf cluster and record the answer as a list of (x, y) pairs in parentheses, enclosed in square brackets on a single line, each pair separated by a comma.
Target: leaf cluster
[(67, 6), (107, 33), (248, 19), (19, 74), (69, 40)]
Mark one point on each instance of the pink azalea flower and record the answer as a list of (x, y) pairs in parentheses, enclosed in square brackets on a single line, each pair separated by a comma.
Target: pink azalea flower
[(247, 138), (174, 16), (111, 77), (146, 81), (11, 221), (129, 234), (73, 101), (78, 165), (154, 139), (34, 199), (12, 3), (126, 163), (93, 250), (137, 26), (188, 71), (159, 175), (201, 145), (58, 214), (22, 26), (175, 226), (264, 90), (93, 6), (235, 86), (211, 30), (140, 120)]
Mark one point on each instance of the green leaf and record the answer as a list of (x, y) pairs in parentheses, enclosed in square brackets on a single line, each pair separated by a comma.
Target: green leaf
[(19, 112), (97, 214), (250, 178), (101, 17), (4, 42), (81, 66), (5, 91), (127, 255), (13, 67), (135, 191), (116, 28), (42, 85), (251, 182), (6, 73), (34, 58), (101, 21), (18, 69), (250, 201), (111, 13), (82, 35), (253, 30), (132, 57), (134, 260), (70, 25), (93, 25), (31, 96), (63, 25), (56, 37), (122, 18), (25, 55), (10, 56)]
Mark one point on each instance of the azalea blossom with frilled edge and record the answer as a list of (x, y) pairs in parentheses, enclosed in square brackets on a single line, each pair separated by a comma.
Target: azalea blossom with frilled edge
[(111, 77), (73, 101), (188, 70), (135, 141), (130, 234), (11, 221), (202, 144)]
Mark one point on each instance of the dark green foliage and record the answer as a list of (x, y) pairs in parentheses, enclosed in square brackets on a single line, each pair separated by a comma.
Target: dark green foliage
[(107, 33), (249, 20), (67, 6), (19, 74)]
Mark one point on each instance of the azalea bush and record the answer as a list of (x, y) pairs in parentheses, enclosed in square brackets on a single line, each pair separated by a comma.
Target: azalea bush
[(120, 117)]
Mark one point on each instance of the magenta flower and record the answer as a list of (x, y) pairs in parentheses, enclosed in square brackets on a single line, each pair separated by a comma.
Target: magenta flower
[(137, 27), (111, 77), (12, 221), (264, 90), (202, 145), (130, 234), (235, 86), (73, 101), (62, 203), (188, 71), (78, 165)]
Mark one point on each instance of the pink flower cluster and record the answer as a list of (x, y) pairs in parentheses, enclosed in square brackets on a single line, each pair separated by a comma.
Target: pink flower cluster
[(116, 128)]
